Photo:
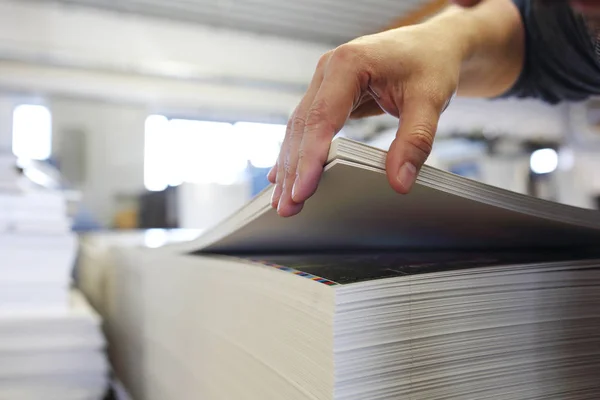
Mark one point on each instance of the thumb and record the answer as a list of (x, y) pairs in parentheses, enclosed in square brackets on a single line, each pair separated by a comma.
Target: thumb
[(413, 143)]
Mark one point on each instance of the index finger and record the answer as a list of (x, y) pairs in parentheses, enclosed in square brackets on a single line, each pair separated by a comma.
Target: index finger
[(331, 108)]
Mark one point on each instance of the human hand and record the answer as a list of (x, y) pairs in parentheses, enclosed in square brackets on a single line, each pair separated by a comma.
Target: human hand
[(410, 73)]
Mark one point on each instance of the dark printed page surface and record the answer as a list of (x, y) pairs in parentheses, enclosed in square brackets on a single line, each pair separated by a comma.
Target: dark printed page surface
[(352, 268)]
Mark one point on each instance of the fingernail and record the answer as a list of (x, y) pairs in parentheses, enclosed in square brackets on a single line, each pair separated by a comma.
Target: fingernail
[(407, 175), (295, 189)]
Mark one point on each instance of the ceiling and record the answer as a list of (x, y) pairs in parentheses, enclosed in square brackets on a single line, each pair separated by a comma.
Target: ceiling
[(326, 21)]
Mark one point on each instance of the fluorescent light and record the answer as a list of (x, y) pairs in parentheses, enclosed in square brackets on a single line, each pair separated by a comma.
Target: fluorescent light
[(544, 161)]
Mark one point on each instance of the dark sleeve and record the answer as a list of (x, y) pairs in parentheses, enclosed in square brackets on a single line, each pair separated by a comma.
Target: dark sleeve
[(560, 55)]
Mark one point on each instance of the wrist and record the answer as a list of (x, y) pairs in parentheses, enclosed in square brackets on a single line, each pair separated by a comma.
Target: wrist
[(488, 41), (459, 31)]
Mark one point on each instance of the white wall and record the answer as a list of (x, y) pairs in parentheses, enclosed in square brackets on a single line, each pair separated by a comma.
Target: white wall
[(114, 162), (201, 206), (582, 177), (6, 116), (521, 118), (114, 156), (506, 173)]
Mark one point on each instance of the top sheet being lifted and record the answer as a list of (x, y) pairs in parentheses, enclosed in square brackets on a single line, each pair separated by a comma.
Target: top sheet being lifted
[(355, 209)]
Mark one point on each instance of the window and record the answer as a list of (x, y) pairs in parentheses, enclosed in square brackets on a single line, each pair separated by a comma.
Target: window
[(155, 171), (180, 150), (32, 132), (261, 141)]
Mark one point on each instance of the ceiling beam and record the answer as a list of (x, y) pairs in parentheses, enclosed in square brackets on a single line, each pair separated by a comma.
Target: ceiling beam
[(419, 14)]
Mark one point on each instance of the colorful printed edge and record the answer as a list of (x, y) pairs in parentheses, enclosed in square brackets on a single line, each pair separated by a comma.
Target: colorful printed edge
[(299, 273)]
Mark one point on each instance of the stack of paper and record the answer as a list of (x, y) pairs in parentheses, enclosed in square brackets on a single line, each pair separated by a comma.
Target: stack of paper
[(35, 272), (401, 325), (38, 251), (34, 212), (457, 291), (52, 356), (51, 346), (95, 260)]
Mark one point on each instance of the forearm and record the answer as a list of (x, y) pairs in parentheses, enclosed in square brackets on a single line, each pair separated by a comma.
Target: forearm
[(490, 39)]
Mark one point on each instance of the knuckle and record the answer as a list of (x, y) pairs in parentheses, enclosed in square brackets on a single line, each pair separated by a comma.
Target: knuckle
[(287, 166), (317, 118), (297, 122), (279, 176), (280, 166), (294, 130), (348, 52), (324, 60), (439, 99), (290, 122), (317, 112), (301, 154), (422, 136), (288, 128), (305, 153), (437, 92)]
